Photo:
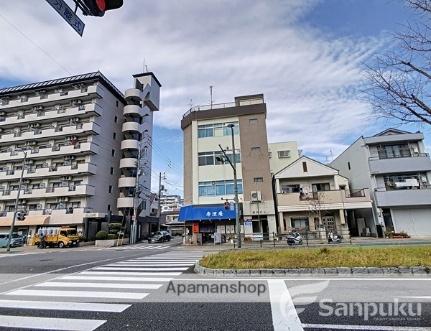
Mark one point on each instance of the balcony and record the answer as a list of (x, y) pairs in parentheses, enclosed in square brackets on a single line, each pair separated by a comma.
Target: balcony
[(133, 110), (403, 198), (415, 163), (50, 192), (88, 109), (125, 202), (128, 163), (54, 132), (130, 144), (323, 200), (81, 148), (82, 168), (131, 126), (127, 182), (53, 98), (133, 94)]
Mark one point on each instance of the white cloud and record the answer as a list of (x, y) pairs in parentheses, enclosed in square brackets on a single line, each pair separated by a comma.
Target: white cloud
[(241, 47)]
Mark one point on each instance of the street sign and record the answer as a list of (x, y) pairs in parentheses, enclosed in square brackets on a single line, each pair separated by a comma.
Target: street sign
[(68, 15)]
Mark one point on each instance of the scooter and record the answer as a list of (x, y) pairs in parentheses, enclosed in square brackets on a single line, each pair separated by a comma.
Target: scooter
[(294, 238), (334, 238)]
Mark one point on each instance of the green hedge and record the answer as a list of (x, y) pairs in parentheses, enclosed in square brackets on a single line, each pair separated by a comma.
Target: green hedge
[(101, 235)]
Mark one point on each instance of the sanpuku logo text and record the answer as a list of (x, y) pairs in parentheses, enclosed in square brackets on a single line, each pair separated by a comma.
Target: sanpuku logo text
[(374, 310)]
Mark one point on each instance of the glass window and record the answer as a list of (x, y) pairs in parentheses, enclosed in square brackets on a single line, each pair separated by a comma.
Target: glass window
[(300, 223), (218, 188), (283, 154)]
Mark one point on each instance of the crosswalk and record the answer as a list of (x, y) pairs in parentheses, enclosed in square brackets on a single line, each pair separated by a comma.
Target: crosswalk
[(106, 289), (139, 247)]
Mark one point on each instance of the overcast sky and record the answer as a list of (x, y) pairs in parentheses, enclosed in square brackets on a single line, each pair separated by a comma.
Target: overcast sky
[(306, 56)]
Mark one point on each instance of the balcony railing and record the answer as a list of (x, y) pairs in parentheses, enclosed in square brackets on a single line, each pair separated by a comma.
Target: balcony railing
[(383, 156), (224, 105)]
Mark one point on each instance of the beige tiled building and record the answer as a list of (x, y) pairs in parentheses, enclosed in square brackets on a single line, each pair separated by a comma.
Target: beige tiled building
[(74, 131)]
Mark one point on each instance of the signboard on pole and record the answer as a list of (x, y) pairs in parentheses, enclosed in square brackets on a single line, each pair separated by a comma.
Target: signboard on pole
[(68, 15)]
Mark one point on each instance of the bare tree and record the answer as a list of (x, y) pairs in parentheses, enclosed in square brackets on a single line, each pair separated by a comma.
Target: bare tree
[(400, 79)]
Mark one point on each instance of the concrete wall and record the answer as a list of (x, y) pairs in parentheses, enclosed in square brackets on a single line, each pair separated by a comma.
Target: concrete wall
[(275, 162)]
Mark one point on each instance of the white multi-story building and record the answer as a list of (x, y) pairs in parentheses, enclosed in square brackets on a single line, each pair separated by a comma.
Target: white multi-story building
[(72, 133)]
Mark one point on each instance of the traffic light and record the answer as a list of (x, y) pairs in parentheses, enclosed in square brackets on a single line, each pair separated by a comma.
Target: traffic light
[(99, 7), (20, 216)]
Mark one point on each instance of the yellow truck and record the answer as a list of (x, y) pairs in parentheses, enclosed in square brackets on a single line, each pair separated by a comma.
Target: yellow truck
[(56, 237)]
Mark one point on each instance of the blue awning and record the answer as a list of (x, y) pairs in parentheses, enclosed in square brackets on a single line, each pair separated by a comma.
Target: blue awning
[(204, 213)]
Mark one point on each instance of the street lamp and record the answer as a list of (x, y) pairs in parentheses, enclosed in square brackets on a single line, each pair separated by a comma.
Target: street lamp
[(235, 180), (16, 204)]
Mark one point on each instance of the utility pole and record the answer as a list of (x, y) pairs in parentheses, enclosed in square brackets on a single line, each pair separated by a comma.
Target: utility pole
[(235, 180), (16, 203), (161, 188)]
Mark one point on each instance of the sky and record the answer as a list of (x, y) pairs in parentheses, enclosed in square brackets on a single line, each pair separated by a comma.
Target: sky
[(305, 56)]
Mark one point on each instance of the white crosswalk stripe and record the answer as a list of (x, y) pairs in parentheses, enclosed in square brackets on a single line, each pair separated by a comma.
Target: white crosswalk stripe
[(131, 280)]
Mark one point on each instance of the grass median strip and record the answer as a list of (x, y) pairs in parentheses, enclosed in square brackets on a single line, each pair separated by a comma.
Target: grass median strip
[(321, 258)]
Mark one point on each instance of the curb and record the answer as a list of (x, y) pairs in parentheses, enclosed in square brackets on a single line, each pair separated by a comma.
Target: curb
[(312, 271)]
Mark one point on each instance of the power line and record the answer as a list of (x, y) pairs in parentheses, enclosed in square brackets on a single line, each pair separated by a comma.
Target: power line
[(34, 43)]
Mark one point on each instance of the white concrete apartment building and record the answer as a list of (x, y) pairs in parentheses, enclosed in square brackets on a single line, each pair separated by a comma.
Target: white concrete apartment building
[(208, 182), (282, 154), (73, 133), (394, 165), (314, 197)]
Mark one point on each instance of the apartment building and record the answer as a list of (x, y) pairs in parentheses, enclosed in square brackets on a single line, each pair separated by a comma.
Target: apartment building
[(74, 133), (282, 154), (170, 202), (313, 197), (394, 165), (208, 180)]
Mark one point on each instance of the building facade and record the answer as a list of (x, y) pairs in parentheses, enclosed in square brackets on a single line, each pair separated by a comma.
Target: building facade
[(394, 165), (72, 133), (313, 197), (282, 154), (208, 180)]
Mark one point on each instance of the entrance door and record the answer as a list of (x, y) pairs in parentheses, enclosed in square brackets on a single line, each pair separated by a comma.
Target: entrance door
[(329, 224), (265, 229)]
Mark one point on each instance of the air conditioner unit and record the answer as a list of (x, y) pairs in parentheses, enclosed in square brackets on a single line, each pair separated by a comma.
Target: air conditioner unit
[(256, 196)]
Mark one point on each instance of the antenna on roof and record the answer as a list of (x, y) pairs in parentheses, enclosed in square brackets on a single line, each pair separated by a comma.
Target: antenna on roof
[(144, 66), (211, 96)]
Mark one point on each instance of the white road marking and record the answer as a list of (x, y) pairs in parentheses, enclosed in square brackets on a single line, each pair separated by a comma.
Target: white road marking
[(49, 323), (364, 327), (284, 315), (139, 264), (423, 297), (56, 305), (119, 268), (80, 294), (129, 273), (101, 285), (118, 278)]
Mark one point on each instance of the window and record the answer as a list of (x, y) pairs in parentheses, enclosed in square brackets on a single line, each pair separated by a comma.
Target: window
[(217, 130), (290, 188), (109, 206), (110, 189), (321, 187), (258, 179), (304, 166), (283, 154), (299, 222), (218, 188), (114, 135), (112, 170), (214, 158), (113, 152), (348, 165), (115, 119), (255, 149)]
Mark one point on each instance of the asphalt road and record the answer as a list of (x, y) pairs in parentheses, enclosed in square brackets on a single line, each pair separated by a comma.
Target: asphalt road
[(153, 287)]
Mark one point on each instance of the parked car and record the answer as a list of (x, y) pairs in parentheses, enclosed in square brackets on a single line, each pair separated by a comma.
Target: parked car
[(159, 237), (16, 241)]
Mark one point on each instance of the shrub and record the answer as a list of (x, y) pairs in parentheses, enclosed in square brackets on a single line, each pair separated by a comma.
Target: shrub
[(112, 236), (114, 228), (101, 235)]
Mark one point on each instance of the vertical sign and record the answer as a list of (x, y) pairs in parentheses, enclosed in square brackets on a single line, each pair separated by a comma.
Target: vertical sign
[(68, 15), (195, 228)]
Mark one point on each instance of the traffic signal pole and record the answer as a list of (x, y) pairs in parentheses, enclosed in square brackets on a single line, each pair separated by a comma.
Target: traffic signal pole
[(16, 204)]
